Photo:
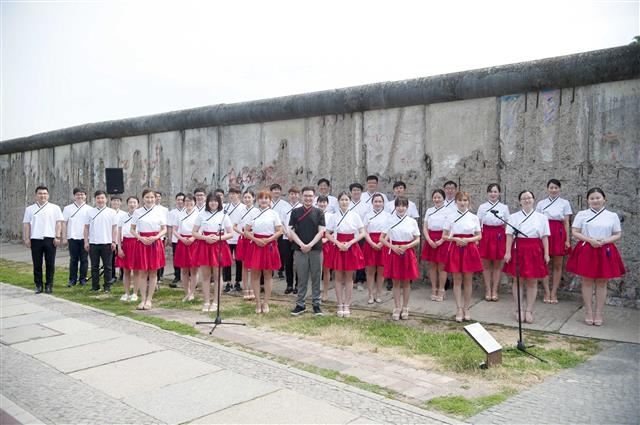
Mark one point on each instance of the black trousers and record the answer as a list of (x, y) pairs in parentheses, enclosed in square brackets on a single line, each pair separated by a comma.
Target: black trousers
[(43, 248), (176, 270), (77, 254), (361, 276), (226, 271), (286, 258), (99, 252)]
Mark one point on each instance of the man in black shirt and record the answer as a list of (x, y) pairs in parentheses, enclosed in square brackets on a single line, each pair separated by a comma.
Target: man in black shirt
[(307, 227)]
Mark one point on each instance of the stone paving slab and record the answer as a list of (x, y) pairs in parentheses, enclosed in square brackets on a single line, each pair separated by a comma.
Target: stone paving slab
[(25, 333), (201, 396), (29, 319), (20, 309), (61, 342), (97, 353), (70, 325), (281, 407), (144, 373), (6, 301), (18, 413), (620, 325)]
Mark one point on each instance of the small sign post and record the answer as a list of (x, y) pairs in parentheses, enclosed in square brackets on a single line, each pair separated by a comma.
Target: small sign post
[(487, 343)]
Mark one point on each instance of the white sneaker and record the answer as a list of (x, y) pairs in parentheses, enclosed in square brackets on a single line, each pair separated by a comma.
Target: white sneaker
[(125, 297), (133, 298)]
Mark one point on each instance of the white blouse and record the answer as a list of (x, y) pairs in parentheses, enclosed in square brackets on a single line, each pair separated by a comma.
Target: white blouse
[(212, 221), (185, 221), (376, 222), (534, 225), (486, 216), (554, 209), (149, 220), (465, 223), (597, 226), (248, 214), (125, 225), (265, 222), (347, 223), (437, 218), (401, 229)]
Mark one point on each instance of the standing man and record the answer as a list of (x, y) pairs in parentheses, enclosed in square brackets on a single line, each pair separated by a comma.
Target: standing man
[(399, 189), (42, 231), (306, 228), (324, 188), (234, 209), (73, 235), (372, 189), (201, 196), (287, 258), (165, 241), (172, 220), (100, 236), (279, 206), (450, 190), (116, 203)]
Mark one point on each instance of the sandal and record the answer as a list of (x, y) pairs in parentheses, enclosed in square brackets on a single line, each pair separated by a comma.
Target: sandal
[(528, 316), (588, 318), (598, 320), (467, 315), (265, 308), (396, 314), (494, 297), (553, 300), (205, 307), (148, 305), (434, 295), (140, 306), (487, 296), (345, 311), (547, 298), (258, 309), (404, 314), (459, 315), (340, 312), (251, 295)]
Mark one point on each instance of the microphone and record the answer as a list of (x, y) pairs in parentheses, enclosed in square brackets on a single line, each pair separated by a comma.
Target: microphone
[(494, 212)]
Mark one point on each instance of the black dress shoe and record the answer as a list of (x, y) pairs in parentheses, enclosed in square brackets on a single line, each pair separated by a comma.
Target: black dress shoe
[(71, 283), (173, 285), (48, 289), (38, 289), (288, 290)]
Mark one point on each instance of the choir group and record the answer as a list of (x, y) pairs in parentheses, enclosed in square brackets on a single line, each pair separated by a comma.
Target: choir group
[(358, 236)]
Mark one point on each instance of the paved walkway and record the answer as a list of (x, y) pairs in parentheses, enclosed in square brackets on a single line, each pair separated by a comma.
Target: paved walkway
[(67, 363)]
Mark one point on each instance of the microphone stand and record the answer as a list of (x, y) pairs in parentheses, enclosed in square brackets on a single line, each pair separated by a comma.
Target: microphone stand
[(516, 233), (218, 320)]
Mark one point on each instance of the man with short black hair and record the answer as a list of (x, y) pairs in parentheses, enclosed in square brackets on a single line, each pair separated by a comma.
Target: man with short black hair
[(450, 189), (73, 236), (372, 189), (100, 236), (42, 232), (172, 220), (399, 189), (324, 188), (234, 209), (306, 227)]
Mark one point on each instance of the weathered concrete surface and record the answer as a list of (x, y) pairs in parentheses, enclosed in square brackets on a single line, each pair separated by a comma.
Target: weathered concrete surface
[(583, 135)]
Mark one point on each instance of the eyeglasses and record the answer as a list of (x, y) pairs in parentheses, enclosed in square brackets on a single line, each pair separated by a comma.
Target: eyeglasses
[(526, 199)]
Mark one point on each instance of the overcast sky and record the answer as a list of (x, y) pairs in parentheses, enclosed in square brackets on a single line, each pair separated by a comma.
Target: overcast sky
[(66, 63)]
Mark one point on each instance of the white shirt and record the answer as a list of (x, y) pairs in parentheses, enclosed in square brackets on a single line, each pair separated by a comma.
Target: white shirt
[(534, 225), (361, 208), (125, 225), (412, 210), (282, 207), (265, 222), (286, 218), (101, 222), (436, 218), (486, 216), (234, 212), (465, 223), (247, 216), (554, 209), (451, 205), (366, 198), (333, 205), (172, 220), (376, 222), (212, 221), (347, 223), (43, 219), (149, 220), (74, 216), (601, 227), (401, 229), (185, 221)]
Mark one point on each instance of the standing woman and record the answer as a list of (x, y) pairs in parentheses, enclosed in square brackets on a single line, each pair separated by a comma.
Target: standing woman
[(533, 251), (375, 222), (433, 249), (185, 256), (126, 248), (493, 242), (249, 212), (148, 226), (212, 228), (463, 258), (595, 258), (400, 236), (322, 202), (263, 256), (558, 211), (345, 230)]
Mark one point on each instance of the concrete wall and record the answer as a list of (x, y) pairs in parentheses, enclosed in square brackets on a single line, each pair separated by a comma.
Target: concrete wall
[(585, 136)]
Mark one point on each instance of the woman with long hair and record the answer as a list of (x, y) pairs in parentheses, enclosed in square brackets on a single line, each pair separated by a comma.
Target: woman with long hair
[(375, 222), (249, 212), (126, 248), (433, 250), (186, 248)]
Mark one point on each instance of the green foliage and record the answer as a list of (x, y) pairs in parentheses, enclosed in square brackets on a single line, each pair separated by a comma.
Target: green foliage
[(466, 407)]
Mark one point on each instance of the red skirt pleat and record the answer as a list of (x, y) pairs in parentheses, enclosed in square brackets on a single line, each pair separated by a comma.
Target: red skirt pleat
[(241, 248), (596, 263), (493, 244), (462, 259), (186, 255), (263, 257), (352, 259), (207, 253), (373, 258), (327, 254), (401, 267), (147, 257), (128, 247), (530, 259), (557, 239), (434, 255)]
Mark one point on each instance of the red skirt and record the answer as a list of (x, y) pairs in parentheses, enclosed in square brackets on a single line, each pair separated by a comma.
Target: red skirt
[(147, 257), (530, 259), (434, 255), (557, 239), (263, 257), (327, 254), (373, 258), (351, 259), (462, 259), (493, 244), (207, 253), (595, 263), (241, 248), (128, 247), (401, 267), (186, 255)]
